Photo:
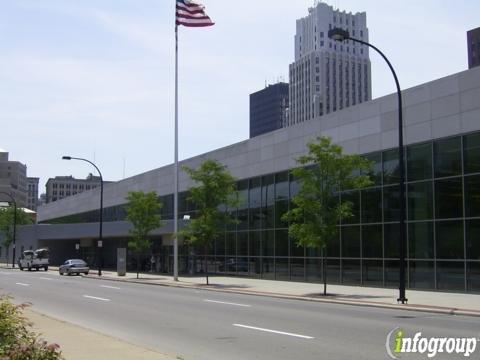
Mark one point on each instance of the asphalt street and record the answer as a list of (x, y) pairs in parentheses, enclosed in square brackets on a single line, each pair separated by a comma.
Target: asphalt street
[(200, 324)]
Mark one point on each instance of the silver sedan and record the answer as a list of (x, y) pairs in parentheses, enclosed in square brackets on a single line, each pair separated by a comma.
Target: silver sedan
[(74, 266)]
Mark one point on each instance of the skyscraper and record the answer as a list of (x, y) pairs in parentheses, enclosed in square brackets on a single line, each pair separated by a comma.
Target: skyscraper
[(473, 43), (327, 76), (268, 109)]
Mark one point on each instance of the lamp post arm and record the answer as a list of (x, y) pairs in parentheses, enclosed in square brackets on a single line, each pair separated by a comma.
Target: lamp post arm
[(95, 166), (397, 83)]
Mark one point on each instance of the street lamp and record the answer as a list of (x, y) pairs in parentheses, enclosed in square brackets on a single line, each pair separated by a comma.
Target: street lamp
[(339, 34), (14, 224), (100, 237)]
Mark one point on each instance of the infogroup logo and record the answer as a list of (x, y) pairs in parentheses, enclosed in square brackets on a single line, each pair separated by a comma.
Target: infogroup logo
[(397, 343)]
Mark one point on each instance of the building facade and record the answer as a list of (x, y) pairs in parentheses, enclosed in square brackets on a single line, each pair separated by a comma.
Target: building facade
[(268, 109), (13, 179), (328, 76), (442, 138), (60, 187), (473, 44), (32, 193)]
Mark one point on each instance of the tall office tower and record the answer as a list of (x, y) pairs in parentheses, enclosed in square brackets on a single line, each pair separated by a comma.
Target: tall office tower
[(473, 43), (328, 75), (13, 180), (32, 193), (268, 109)]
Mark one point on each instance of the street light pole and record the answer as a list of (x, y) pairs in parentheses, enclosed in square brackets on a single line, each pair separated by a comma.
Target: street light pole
[(100, 235), (14, 225), (339, 34)]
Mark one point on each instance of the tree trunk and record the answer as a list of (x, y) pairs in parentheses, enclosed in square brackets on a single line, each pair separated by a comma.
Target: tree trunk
[(206, 264), (324, 270), (138, 263)]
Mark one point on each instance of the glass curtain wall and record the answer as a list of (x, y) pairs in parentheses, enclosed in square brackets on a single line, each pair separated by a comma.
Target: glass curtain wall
[(443, 224)]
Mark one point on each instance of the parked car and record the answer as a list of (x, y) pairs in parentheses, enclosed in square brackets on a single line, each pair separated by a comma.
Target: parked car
[(74, 266), (232, 265)]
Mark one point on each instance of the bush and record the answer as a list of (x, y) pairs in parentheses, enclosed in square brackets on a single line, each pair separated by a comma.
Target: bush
[(17, 340)]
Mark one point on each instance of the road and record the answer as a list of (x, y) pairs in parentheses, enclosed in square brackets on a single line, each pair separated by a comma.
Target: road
[(200, 324)]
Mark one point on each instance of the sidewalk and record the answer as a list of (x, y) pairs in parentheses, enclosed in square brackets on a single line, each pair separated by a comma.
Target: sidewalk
[(73, 339), (430, 301)]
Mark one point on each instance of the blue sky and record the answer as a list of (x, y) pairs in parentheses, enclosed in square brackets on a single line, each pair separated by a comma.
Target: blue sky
[(95, 78)]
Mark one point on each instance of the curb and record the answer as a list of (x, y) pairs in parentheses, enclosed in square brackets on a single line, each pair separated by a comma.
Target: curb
[(418, 308)]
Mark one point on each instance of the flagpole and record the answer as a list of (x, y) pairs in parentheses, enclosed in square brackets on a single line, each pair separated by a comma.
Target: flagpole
[(175, 167)]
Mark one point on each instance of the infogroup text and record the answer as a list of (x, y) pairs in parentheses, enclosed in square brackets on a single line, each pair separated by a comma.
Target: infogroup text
[(432, 346)]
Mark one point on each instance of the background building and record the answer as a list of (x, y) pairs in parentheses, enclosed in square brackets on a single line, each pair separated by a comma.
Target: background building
[(13, 179), (268, 109), (63, 186), (326, 75), (473, 44), (32, 193)]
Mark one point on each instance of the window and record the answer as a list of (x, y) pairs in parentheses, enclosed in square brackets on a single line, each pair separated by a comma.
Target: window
[(390, 167), (419, 162), (371, 205), (420, 240), (473, 239), (471, 153), (420, 201), (391, 203), (447, 157), (372, 241), (448, 198), (321, 34), (351, 241), (422, 274), (449, 242), (472, 196)]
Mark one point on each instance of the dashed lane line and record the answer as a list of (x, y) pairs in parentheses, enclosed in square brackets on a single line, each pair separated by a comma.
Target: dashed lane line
[(95, 298), (274, 331), (226, 303)]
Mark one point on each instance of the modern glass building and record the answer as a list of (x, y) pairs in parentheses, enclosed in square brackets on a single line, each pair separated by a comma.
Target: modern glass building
[(442, 136)]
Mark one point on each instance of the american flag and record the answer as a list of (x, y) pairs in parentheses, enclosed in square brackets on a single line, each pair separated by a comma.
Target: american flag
[(192, 14)]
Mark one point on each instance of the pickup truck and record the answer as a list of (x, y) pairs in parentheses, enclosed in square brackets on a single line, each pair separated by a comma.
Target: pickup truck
[(34, 260)]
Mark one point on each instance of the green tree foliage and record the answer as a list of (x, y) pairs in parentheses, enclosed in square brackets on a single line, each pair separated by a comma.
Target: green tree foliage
[(143, 211), (215, 192), (6, 224), (17, 340), (325, 171)]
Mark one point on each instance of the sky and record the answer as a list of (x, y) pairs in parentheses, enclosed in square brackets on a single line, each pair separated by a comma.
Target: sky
[(95, 78)]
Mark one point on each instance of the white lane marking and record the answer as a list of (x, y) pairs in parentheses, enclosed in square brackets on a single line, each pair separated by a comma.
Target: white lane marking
[(22, 284), (5, 273), (110, 287), (226, 303), (44, 278), (95, 298), (274, 331)]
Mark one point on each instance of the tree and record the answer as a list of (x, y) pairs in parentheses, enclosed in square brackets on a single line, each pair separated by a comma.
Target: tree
[(6, 224), (143, 212), (325, 171), (215, 193)]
